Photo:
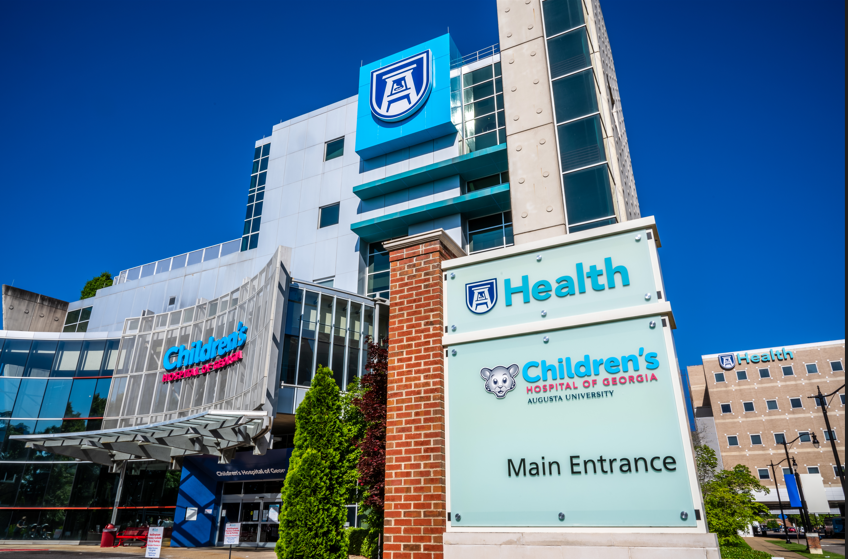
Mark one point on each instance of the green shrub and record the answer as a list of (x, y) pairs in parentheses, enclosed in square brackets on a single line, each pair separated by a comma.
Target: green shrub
[(356, 537), (742, 551)]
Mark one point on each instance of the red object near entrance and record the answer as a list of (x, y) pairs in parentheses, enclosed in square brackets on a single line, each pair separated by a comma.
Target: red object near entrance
[(107, 537)]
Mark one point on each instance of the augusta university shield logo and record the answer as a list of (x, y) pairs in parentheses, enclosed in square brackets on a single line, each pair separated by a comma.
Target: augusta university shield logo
[(726, 361), (401, 88), (481, 296)]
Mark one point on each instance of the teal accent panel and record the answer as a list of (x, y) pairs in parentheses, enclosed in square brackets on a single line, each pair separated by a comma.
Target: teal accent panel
[(474, 204), (375, 137), (470, 166), (565, 267), (591, 419)]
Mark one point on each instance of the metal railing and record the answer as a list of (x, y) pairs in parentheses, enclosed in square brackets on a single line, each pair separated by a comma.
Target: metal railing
[(475, 56)]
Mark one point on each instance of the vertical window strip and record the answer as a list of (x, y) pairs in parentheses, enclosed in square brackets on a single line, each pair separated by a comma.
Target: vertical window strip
[(255, 197)]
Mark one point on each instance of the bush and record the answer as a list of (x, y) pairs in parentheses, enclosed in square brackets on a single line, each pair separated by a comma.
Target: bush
[(742, 551), (356, 537)]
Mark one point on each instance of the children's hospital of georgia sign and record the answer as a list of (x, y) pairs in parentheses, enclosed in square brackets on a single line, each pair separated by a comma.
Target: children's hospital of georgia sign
[(574, 426)]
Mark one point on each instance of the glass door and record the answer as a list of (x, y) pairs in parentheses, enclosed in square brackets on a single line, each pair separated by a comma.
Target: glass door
[(250, 521), (270, 531), (229, 515)]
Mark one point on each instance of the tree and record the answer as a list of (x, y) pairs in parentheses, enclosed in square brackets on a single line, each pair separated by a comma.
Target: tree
[(372, 445), (92, 285), (706, 463), (313, 510), (730, 505)]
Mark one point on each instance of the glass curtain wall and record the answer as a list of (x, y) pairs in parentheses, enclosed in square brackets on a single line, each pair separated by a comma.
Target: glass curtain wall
[(255, 197), (477, 107), (586, 179), (323, 328)]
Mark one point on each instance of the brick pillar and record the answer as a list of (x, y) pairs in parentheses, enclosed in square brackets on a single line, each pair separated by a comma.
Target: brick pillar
[(415, 437)]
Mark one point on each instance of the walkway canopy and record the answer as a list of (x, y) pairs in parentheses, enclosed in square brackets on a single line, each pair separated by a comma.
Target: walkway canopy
[(212, 433)]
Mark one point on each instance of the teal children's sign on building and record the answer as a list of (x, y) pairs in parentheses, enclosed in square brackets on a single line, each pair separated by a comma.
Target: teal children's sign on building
[(565, 404)]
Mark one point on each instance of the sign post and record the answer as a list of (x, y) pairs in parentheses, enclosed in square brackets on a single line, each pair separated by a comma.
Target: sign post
[(154, 541), (232, 533)]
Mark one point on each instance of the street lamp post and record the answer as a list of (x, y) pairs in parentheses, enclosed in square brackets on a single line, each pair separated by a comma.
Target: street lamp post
[(822, 400), (793, 469), (779, 500)]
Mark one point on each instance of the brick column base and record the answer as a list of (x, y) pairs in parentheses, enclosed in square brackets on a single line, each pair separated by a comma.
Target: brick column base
[(415, 436)]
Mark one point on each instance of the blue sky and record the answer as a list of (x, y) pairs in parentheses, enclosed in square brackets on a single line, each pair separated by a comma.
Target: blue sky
[(128, 131)]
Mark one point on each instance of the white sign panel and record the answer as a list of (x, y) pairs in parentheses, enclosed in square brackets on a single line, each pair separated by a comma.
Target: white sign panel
[(154, 541), (232, 533), (191, 513), (814, 494)]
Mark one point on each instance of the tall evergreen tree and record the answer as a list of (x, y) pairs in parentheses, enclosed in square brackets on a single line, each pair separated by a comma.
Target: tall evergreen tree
[(312, 514)]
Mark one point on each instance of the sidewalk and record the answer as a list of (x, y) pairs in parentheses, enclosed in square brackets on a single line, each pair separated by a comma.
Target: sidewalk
[(768, 545), (167, 552)]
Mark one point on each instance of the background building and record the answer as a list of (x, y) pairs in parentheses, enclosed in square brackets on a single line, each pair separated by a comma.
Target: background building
[(510, 147), (746, 407)]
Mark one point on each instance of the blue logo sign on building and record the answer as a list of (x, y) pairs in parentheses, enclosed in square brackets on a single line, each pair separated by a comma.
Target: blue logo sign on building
[(481, 296), (726, 361), (400, 89)]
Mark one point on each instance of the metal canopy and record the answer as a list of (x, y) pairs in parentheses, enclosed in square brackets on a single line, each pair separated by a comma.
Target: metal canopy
[(213, 433)]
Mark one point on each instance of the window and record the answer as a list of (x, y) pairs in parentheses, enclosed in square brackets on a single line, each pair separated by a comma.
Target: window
[(378, 271), (732, 440), (588, 198), (764, 373), (562, 15), (813, 470), (788, 371), (748, 407), (328, 215), (787, 472), (830, 435), (477, 107), (333, 149), (725, 408), (804, 437), (487, 182), (795, 403), (812, 368), (326, 282), (255, 198), (820, 401), (741, 375), (756, 440), (77, 321), (836, 366), (719, 377), (763, 473), (487, 233), (842, 399), (771, 405), (779, 438), (836, 471)]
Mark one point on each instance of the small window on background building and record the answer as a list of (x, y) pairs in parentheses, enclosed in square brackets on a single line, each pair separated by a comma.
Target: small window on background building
[(842, 399), (487, 182), (77, 321), (804, 437), (334, 149), (830, 435), (763, 473), (779, 438), (787, 472), (795, 403), (719, 377), (771, 405), (819, 401), (377, 283), (725, 408), (813, 469), (748, 406), (836, 366), (732, 440), (325, 282), (764, 373), (812, 368), (328, 215), (836, 471), (490, 232), (788, 371), (255, 197), (756, 440), (741, 375)]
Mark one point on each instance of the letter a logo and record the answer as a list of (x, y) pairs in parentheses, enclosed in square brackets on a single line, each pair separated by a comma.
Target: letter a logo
[(400, 89), (481, 296)]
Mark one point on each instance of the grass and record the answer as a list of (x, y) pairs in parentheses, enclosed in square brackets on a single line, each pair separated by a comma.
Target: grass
[(800, 550)]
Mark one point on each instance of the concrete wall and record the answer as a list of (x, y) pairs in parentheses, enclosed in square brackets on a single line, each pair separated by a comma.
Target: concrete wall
[(28, 311), (535, 184)]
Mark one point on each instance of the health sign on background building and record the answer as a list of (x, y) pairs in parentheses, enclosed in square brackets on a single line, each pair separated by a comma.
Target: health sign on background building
[(565, 404)]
